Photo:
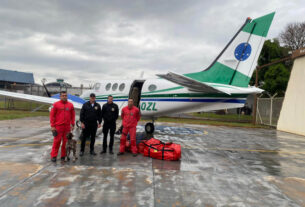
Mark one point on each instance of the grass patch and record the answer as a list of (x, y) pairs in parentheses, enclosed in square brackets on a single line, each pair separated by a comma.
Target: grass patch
[(209, 122), (13, 114), (25, 105), (230, 117)]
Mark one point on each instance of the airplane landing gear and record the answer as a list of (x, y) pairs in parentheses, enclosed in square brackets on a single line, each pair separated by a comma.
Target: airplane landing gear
[(149, 128)]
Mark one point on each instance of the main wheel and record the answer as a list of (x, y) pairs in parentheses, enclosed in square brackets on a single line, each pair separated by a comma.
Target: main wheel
[(149, 128)]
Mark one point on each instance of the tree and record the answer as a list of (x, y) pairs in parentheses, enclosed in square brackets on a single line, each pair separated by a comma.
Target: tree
[(272, 50), (276, 79), (293, 36)]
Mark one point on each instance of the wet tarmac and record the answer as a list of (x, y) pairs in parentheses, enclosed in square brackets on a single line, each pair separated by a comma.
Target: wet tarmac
[(220, 166)]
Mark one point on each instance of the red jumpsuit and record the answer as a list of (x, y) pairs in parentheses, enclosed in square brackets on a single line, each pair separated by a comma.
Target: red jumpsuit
[(130, 117), (62, 116)]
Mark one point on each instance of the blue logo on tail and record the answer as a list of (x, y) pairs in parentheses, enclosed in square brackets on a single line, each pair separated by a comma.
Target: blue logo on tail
[(242, 51)]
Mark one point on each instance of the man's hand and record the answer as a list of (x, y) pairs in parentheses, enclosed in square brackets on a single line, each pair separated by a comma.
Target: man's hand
[(83, 126), (53, 129), (99, 126), (72, 128)]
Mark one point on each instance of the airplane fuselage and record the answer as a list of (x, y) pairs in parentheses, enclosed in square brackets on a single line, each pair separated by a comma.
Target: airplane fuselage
[(161, 97)]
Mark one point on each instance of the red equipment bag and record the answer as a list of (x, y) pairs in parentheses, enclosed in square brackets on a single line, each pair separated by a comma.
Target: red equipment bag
[(144, 144), (164, 151)]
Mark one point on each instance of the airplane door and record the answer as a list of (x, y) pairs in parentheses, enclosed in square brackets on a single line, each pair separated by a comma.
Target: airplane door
[(135, 92)]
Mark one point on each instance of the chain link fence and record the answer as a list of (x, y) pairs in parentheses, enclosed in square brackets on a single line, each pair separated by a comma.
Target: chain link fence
[(268, 110)]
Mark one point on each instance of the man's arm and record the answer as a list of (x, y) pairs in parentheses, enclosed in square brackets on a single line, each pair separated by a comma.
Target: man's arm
[(82, 114), (72, 116), (53, 115), (99, 114), (138, 115), (116, 112)]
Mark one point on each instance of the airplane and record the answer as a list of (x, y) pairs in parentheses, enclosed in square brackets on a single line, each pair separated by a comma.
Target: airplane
[(223, 85)]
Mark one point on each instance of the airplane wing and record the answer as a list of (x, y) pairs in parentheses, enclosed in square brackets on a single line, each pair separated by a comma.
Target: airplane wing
[(39, 99), (191, 84)]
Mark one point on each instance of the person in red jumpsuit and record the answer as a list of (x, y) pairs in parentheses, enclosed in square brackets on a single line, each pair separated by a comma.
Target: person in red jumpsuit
[(130, 117), (62, 120)]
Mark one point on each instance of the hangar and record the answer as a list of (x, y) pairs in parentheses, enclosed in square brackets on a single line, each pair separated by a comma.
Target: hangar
[(292, 116), (9, 77)]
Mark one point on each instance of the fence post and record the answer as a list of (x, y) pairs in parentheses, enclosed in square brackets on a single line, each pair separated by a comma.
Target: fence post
[(271, 108)]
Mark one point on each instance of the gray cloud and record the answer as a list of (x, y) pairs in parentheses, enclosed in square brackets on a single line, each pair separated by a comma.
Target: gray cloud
[(85, 41)]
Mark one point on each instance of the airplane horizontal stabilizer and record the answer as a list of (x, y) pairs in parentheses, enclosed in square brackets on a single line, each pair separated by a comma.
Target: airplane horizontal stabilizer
[(191, 84)]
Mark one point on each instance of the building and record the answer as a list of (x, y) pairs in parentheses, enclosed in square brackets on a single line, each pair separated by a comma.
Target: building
[(9, 77), (60, 83)]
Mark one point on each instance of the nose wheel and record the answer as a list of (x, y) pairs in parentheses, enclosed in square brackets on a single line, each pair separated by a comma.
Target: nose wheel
[(149, 128)]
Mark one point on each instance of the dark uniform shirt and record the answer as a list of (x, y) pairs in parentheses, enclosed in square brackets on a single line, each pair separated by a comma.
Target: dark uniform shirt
[(110, 112), (90, 114)]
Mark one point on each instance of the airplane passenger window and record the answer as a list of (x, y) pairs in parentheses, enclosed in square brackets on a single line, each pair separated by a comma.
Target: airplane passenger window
[(115, 86), (97, 86), (122, 87), (108, 86), (152, 87)]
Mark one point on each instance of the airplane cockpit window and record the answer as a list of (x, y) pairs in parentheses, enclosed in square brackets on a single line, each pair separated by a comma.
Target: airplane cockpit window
[(115, 86), (97, 86), (122, 87), (108, 86), (152, 87)]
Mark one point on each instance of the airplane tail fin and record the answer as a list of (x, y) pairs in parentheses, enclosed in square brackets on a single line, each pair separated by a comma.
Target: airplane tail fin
[(237, 61)]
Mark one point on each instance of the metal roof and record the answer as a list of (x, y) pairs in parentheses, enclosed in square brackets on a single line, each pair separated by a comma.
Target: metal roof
[(16, 77)]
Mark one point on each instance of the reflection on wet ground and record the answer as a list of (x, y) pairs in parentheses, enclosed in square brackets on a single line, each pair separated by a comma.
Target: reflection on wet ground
[(219, 167)]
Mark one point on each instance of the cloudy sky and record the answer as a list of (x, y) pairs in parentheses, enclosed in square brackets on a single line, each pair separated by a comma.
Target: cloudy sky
[(86, 41)]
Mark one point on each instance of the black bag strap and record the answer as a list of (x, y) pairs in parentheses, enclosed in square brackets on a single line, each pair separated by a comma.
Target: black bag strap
[(151, 146)]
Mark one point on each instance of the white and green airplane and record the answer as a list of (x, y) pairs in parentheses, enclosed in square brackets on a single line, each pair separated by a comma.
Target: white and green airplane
[(223, 85)]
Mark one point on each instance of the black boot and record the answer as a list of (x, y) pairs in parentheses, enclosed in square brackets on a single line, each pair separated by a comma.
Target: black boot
[(92, 153), (81, 154), (53, 159), (120, 153)]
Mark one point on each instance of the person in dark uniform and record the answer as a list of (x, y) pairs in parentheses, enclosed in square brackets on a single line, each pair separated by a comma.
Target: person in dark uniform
[(91, 119), (110, 113)]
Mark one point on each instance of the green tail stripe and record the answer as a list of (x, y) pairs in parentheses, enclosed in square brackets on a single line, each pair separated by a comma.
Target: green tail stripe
[(262, 25), (222, 74)]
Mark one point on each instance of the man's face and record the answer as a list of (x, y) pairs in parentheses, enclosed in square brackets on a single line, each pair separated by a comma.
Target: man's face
[(130, 103), (110, 99), (63, 97), (92, 99)]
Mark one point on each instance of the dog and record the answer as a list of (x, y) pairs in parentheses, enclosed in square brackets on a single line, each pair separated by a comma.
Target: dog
[(71, 146)]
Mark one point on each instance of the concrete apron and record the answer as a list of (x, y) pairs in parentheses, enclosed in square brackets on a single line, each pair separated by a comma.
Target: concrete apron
[(219, 167)]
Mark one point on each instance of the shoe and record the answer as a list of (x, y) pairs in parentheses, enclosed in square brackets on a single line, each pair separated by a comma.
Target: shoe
[(120, 153), (53, 159), (103, 152), (134, 155), (111, 152), (62, 158), (92, 153), (81, 154)]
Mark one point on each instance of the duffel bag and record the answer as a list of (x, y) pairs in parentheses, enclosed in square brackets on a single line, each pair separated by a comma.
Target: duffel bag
[(150, 142), (163, 151)]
